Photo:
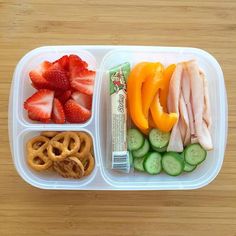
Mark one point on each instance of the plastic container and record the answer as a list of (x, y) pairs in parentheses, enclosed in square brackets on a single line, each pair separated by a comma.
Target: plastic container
[(102, 58)]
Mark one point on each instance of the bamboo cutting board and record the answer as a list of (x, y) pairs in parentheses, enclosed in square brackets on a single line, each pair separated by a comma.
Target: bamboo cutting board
[(26, 24)]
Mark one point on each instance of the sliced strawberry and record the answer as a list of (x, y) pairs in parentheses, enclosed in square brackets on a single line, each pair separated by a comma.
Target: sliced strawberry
[(83, 99), (75, 113), (83, 88), (65, 96), (76, 62), (38, 81), (57, 76), (81, 79), (40, 104), (84, 76), (58, 115), (63, 62), (45, 66), (33, 116)]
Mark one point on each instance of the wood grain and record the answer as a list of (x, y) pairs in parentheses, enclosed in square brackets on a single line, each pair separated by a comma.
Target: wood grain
[(26, 24)]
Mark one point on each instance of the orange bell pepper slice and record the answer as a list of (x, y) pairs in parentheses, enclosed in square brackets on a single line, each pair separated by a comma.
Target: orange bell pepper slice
[(162, 120), (140, 73), (150, 87), (166, 81)]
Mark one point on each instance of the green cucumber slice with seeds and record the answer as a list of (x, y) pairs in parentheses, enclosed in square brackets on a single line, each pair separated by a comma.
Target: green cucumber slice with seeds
[(159, 139), (163, 149), (172, 163), (138, 163), (143, 150), (194, 154), (135, 139), (187, 167), (152, 163)]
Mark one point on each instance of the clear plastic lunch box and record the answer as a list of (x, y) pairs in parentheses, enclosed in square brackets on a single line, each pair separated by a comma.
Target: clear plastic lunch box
[(102, 58)]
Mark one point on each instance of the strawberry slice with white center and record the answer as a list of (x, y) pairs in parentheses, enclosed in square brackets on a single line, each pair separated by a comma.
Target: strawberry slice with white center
[(83, 88), (81, 79), (38, 81), (35, 117), (75, 113), (40, 104), (57, 76), (84, 76), (58, 115), (83, 99)]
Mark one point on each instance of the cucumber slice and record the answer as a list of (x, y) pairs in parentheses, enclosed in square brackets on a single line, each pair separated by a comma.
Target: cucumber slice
[(138, 163), (159, 139), (189, 168), (194, 154), (163, 149), (135, 139), (131, 159), (152, 163), (172, 163), (143, 150)]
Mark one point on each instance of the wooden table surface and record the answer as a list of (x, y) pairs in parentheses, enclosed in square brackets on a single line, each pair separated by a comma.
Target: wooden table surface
[(26, 24)]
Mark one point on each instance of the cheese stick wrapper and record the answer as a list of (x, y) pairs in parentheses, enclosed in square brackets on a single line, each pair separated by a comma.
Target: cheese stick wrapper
[(118, 95)]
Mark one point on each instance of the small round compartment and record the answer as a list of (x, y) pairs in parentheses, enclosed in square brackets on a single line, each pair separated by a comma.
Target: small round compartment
[(47, 179), (22, 83)]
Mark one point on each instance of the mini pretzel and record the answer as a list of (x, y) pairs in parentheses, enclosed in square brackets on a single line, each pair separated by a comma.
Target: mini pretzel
[(37, 153), (59, 146), (69, 167), (49, 134), (89, 165), (85, 146)]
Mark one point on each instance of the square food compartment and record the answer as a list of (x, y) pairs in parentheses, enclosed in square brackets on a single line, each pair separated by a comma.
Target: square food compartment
[(46, 179), (31, 61), (206, 172), (101, 59)]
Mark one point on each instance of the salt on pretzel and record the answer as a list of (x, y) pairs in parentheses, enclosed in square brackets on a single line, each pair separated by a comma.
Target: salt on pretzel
[(37, 156), (88, 164), (59, 146), (49, 134), (69, 167)]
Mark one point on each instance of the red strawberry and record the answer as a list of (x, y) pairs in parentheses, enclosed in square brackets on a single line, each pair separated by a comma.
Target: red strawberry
[(83, 99), (64, 96), (40, 104), (83, 88), (58, 115), (57, 76), (84, 76), (33, 116), (45, 65), (75, 113), (38, 81), (81, 79), (75, 62), (63, 62)]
